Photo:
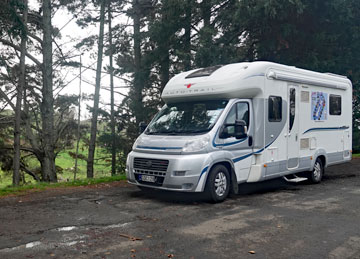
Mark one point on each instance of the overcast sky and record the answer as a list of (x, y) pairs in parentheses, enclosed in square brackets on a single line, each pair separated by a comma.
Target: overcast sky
[(71, 34)]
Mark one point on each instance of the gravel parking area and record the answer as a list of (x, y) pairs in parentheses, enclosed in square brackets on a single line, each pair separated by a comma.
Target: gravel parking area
[(273, 219)]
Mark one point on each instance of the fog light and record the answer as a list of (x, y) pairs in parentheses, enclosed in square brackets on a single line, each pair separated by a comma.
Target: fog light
[(187, 186), (179, 173)]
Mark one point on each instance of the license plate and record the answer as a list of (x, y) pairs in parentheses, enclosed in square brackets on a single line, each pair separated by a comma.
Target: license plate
[(148, 178)]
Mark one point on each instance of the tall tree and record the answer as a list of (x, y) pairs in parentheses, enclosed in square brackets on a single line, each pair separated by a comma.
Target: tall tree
[(47, 106), (19, 97), (93, 130), (112, 110), (137, 95)]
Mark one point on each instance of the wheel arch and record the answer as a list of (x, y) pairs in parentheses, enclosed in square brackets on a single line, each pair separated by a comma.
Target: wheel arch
[(321, 154), (230, 166)]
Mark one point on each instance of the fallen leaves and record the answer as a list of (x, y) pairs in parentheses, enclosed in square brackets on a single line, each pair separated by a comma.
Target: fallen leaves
[(130, 237)]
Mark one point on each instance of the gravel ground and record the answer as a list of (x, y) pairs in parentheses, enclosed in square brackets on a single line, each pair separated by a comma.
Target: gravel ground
[(272, 219)]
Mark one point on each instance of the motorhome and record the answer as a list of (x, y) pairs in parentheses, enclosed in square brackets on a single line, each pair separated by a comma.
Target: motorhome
[(244, 122)]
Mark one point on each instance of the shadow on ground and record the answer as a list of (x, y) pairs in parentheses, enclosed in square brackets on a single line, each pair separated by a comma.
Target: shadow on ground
[(194, 198)]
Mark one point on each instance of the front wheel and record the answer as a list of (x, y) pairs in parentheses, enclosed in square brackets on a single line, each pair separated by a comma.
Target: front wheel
[(218, 183), (317, 173)]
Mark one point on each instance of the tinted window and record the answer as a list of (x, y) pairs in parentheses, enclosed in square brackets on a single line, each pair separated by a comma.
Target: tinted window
[(204, 71), (243, 112), (275, 108), (186, 117), (292, 108), (240, 111), (335, 104)]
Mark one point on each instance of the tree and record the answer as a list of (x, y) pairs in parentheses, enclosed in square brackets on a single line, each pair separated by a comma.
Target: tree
[(112, 110), (93, 130), (19, 98)]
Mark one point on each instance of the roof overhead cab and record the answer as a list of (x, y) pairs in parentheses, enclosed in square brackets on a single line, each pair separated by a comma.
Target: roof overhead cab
[(241, 80)]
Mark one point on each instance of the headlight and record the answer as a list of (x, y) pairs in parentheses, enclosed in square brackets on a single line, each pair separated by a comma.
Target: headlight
[(137, 142), (196, 144)]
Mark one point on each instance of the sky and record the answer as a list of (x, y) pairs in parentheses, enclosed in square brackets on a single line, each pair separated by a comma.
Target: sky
[(71, 34)]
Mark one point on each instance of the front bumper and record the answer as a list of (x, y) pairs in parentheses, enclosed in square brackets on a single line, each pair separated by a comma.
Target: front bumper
[(183, 172)]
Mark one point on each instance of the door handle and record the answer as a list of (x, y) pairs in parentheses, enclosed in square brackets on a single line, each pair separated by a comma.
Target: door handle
[(250, 141)]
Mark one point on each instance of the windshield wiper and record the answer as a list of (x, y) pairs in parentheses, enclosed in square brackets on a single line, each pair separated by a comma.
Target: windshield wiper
[(172, 132), (196, 131)]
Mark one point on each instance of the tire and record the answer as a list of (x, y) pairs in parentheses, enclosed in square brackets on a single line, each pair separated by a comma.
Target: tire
[(317, 173), (218, 184)]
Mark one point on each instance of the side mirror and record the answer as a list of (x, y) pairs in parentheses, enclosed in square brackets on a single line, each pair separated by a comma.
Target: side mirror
[(240, 129), (224, 133), (142, 127)]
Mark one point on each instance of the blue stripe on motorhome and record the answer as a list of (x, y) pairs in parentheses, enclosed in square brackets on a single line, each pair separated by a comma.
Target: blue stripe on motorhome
[(330, 128), (203, 172), (158, 148), (235, 160)]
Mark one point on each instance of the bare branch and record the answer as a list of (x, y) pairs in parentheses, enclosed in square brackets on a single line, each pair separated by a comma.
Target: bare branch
[(7, 99), (17, 48)]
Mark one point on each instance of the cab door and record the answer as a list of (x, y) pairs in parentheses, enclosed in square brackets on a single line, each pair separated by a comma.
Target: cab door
[(240, 150), (293, 128)]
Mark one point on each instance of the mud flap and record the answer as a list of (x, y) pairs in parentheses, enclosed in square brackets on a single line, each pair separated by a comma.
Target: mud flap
[(234, 188)]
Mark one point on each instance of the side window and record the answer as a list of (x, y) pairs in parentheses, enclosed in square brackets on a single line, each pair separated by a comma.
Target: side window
[(239, 111), (292, 108), (275, 108), (230, 119), (243, 112), (335, 104)]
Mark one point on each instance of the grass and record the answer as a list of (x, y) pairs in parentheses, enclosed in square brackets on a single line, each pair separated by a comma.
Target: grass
[(357, 155), (42, 186), (102, 170)]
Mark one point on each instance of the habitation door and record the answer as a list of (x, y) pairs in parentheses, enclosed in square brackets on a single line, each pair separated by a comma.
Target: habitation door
[(293, 128)]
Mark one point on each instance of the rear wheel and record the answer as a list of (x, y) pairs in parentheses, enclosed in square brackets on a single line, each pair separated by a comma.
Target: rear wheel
[(317, 173), (218, 183)]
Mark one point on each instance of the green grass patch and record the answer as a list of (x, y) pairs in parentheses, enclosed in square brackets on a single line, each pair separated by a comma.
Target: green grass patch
[(42, 186), (357, 155)]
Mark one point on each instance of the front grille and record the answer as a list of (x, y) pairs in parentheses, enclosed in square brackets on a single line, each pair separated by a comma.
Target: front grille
[(151, 164)]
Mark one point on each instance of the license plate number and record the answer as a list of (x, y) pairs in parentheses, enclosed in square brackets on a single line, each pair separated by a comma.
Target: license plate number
[(147, 178)]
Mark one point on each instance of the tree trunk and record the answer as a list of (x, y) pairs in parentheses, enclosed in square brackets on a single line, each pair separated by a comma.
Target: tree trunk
[(164, 64), (91, 155), (20, 89), (47, 109), (113, 136), (138, 106), (187, 36), (78, 121)]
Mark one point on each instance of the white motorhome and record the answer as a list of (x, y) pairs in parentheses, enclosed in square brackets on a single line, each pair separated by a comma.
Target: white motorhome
[(244, 122)]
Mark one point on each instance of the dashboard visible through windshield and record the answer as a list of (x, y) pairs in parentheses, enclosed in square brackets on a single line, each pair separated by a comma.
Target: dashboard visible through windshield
[(186, 117)]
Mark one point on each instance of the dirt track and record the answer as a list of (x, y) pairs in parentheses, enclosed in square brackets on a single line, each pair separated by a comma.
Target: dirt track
[(273, 219)]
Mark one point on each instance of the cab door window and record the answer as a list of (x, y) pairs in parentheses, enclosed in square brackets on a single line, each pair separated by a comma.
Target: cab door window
[(239, 111)]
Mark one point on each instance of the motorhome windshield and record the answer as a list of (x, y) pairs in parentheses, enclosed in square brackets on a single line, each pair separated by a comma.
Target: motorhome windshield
[(186, 117)]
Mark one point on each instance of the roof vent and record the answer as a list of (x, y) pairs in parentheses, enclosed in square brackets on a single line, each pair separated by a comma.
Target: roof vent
[(203, 72)]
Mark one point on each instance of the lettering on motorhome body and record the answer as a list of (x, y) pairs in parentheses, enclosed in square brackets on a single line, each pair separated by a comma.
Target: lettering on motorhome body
[(189, 91)]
